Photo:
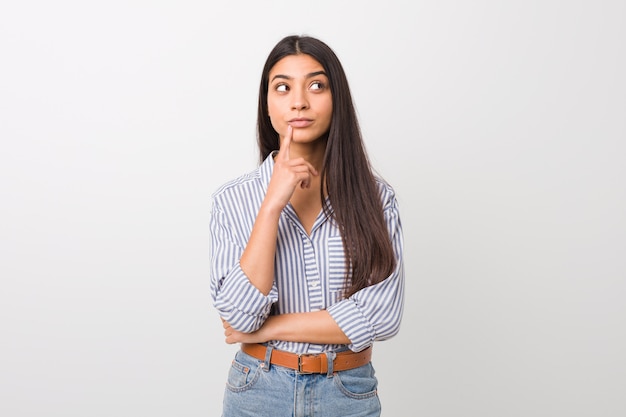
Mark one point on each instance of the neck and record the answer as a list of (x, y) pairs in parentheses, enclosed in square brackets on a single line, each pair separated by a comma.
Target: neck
[(313, 153)]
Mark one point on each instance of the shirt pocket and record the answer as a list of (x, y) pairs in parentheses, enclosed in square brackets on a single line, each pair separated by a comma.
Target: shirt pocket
[(336, 269)]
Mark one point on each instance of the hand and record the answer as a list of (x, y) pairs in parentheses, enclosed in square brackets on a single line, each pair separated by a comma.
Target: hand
[(288, 173), (235, 336)]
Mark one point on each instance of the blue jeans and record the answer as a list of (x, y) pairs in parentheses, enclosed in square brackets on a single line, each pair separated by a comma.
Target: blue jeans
[(257, 389)]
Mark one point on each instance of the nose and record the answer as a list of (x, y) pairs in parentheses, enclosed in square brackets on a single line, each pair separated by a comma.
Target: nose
[(299, 101)]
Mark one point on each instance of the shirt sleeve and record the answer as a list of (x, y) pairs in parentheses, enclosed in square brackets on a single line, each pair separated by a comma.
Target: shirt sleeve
[(238, 302), (375, 312)]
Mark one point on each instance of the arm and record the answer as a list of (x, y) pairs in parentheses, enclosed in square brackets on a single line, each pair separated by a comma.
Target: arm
[(373, 313), (257, 260), (243, 251), (313, 327), (234, 297)]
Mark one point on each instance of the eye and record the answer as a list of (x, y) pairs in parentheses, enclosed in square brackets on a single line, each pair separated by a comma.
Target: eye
[(282, 88), (317, 85)]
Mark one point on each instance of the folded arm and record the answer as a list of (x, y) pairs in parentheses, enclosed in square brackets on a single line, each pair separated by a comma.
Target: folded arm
[(312, 327)]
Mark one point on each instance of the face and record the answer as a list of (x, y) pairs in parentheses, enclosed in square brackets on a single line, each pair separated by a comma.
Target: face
[(299, 95)]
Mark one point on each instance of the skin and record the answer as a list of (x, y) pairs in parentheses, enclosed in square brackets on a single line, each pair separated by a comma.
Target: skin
[(300, 109)]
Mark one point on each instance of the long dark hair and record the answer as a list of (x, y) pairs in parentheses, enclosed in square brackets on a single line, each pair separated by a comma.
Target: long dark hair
[(354, 198)]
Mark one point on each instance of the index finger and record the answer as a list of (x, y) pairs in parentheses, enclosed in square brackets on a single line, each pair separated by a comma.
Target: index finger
[(283, 152)]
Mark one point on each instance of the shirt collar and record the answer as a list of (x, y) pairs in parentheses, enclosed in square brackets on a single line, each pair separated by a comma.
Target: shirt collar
[(267, 168)]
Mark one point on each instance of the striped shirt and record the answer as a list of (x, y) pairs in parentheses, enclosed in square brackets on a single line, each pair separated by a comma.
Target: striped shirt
[(309, 269)]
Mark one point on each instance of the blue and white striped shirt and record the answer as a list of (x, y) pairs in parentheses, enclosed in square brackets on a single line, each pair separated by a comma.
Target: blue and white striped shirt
[(309, 269)]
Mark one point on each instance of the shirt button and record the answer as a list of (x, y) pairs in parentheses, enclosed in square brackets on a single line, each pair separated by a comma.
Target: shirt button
[(315, 283)]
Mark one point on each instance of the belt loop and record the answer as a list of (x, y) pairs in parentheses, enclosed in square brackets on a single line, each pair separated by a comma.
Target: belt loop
[(268, 358), (330, 359)]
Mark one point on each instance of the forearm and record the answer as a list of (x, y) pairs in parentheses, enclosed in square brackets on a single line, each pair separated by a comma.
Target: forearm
[(257, 260), (313, 327)]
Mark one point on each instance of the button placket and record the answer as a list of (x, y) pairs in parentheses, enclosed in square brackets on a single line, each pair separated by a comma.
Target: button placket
[(312, 275)]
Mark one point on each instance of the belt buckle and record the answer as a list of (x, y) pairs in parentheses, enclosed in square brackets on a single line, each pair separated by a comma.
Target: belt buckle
[(300, 371)]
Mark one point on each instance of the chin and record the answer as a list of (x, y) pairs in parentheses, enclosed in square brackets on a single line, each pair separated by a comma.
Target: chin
[(304, 137)]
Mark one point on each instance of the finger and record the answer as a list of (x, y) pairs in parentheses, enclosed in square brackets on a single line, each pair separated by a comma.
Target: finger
[(284, 146), (301, 165)]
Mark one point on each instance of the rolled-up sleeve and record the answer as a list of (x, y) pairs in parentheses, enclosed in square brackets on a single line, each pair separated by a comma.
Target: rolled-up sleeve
[(238, 302), (375, 312)]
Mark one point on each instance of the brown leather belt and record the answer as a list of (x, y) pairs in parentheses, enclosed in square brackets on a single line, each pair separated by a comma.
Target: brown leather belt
[(310, 363)]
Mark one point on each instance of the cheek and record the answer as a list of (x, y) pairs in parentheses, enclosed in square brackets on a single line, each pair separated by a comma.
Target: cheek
[(328, 111), (275, 117), (327, 119)]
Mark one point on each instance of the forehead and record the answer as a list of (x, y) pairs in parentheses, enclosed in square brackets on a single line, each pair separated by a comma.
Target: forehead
[(296, 66)]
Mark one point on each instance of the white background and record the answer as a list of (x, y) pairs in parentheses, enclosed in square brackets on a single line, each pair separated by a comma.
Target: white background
[(502, 126)]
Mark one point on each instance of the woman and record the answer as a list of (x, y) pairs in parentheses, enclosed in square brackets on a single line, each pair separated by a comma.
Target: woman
[(306, 250)]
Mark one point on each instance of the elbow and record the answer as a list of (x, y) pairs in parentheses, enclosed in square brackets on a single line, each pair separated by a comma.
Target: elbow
[(394, 330), (390, 330), (242, 322)]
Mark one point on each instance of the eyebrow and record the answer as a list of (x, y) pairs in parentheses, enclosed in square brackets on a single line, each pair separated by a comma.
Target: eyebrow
[(309, 75)]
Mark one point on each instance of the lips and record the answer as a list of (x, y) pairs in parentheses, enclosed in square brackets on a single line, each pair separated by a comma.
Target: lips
[(300, 122)]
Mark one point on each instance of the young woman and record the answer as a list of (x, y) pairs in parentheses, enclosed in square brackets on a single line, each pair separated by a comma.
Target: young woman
[(306, 250)]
